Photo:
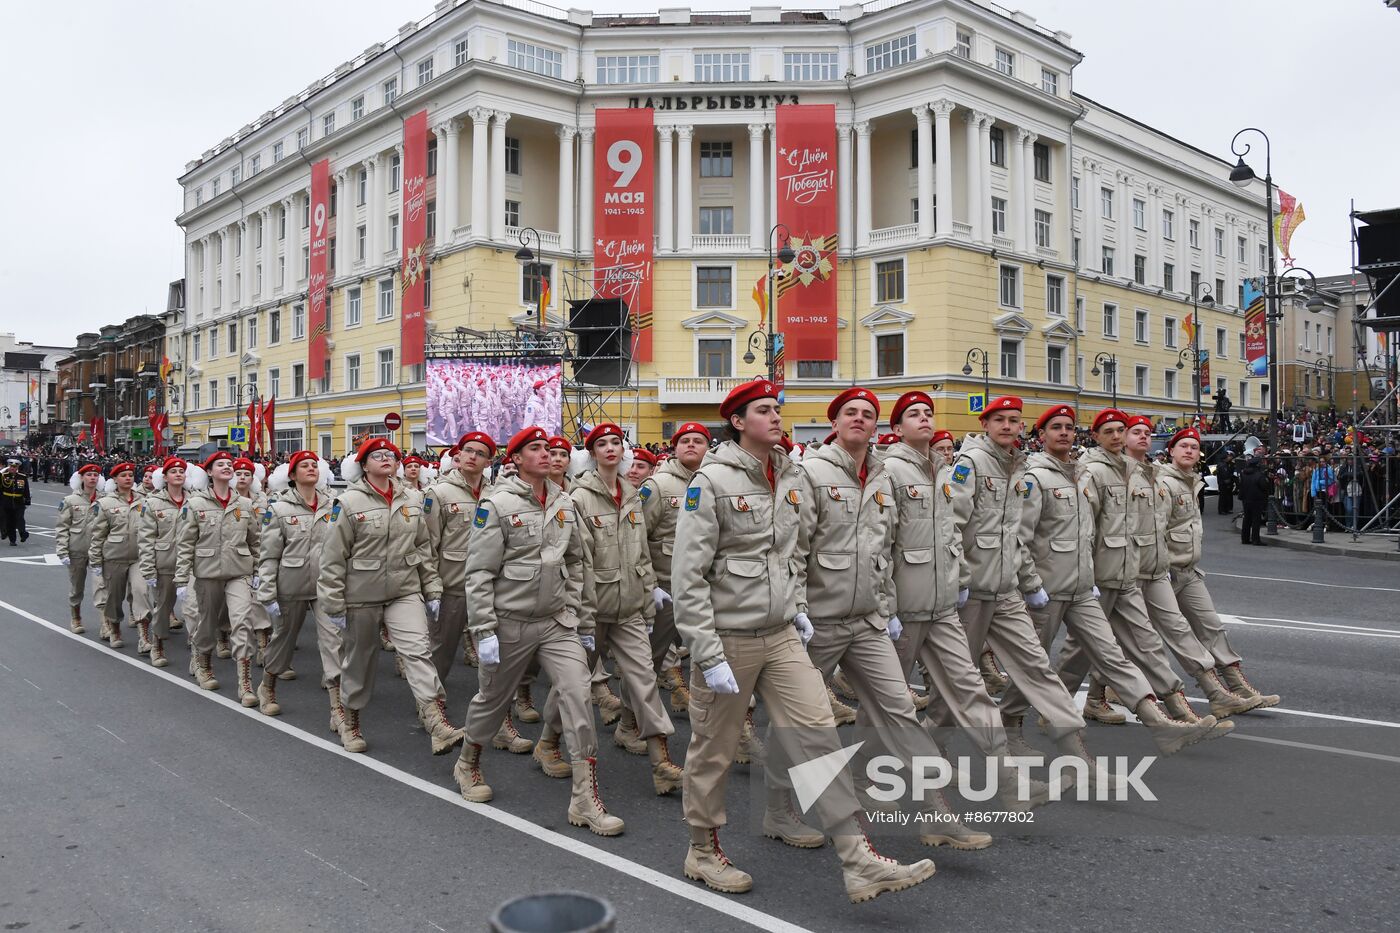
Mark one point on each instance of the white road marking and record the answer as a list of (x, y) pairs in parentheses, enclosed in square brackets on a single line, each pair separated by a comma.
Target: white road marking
[(238, 811), (1303, 628), (32, 684), (163, 768), (1316, 748), (1325, 625), (1335, 586), (110, 732), (1311, 715), (67, 707), (633, 870), (337, 868), (34, 560)]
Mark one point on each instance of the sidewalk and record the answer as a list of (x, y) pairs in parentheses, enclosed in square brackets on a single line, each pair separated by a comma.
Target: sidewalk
[(1339, 543)]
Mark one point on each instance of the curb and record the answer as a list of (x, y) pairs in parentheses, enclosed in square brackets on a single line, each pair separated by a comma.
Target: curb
[(1331, 549)]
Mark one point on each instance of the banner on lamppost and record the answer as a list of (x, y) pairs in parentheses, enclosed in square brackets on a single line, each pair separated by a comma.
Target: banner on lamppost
[(1290, 215), (415, 236), (807, 207), (1256, 331), (1203, 364), (623, 187), (316, 353)]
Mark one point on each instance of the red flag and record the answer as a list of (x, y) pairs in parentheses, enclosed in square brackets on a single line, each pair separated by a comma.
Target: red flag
[(415, 236), (269, 413), (253, 411), (807, 207)]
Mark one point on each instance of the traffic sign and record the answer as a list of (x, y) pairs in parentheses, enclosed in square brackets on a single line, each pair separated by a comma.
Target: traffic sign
[(976, 402), (166, 434), (238, 434), (393, 420)]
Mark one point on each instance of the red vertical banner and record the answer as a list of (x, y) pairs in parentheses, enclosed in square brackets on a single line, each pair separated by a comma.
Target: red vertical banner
[(807, 206), (623, 226), (415, 235), (316, 282)]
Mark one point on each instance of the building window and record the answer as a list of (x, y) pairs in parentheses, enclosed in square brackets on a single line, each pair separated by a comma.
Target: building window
[(1169, 333), (235, 176), (432, 219), (716, 160), (1074, 192), (305, 262), (1055, 296), (540, 60), (213, 393), (1222, 336), (393, 232), (891, 53), (352, 371), (1010, 359), (532, 279), (1139, 214), (716, 220), (427, 288), (298, 321), (1243, 398), (274, 382), (997, 145), (715, 357), (1074, 251), (889, 355), (1110, 320), (1242, 341), (1049, 81), (1140, 326), (629, 69), (213, 342), (721, 67), (384, 307), (1140, 269), (459, 52), (714, 286), (512, 156), (1169, 383), (216, 187), (1040, 154), (1106, 202), (512, 213), (195, 399), (255, 165), (1193, 233), (425, 71), (1140, 381), (198, 196), (963, 46), (809, 66), (386, 368), (391, 91), (357, 107), (328, 124), (1079, 314), (395, 172), (1169, 225), (1239, 250), (889, 280), (1006, 61), (913, 210), (998, 216), (282, 225), (274, 327), (1220, 242), (1169, 276), (815, 369), (361, 187), (1009, 286), (195, 347), (1042, 229), (298, 379), (1107, 260), (1055, 365), (276, 153), (1195, 283), (1220, 290), (360, 242), (303, 138), (353, 305), (233, 337)]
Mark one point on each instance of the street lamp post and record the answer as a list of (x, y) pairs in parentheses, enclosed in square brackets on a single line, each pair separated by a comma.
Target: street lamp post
[(1109, 362), (766, 340), (1324, 367), (978, 355), (525, 256)]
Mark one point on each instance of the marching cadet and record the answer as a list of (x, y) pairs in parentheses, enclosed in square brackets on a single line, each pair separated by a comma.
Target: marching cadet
[(416, 474), (113, 555), (643, 466), (14, 499), (148, 479), (735, 589), (160, 529), (618, 602), (247, 482), (74, 534), (1183, 485), (448, 507), (1057, 531), (943, 445), (217, 550), (376, 568), (560, 455), (525, 589)]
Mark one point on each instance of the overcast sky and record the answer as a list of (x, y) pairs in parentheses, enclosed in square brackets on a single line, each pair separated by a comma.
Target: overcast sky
[(107, 101)]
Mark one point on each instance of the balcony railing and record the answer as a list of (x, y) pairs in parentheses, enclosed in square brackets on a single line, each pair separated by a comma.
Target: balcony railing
[(695, 390), (719, 242), (962, 231), (900, 234), (548, 239)]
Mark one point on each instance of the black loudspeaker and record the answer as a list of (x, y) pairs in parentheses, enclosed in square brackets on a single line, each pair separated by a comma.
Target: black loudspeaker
[(1378, 255), (603, 336)]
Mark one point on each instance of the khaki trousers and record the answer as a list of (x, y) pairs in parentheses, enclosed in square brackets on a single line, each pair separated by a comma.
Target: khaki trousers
[(1127, 616), (1195, 603), (285, 631), (941, 647), (262, 622), (163, 603), (664, 637), (445, 633), (562, 657), (407, 622), (1172, 626), (214, 598), (126, 581), (1084, 618), (77, 581), (631, 653), (773, 665), (99, 593)]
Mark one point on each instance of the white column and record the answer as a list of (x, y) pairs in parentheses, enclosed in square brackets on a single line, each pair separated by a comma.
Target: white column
[(226, 268), (665, 199), (943, 168), (845, 238), (1208, 248), (585, 190), (245, 264), (448, 174), (481, 122), (1013, 229), (1027, 142), (294, 240), (685, 200), (192, 307), (984, 135), (344, 222), (566, 187), (756, 175), (496, 207), (373, 210), (972, 186), (863, 181), (924, 120), (204, 298), (395, 206), (268, 253), (1228, 269), (1092, 255), (1124, 219), (1183, 243)]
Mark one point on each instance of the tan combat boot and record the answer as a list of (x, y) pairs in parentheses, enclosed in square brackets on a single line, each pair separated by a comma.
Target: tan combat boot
[(868, 874), (841, 686), (750, 745), (1016, 743), (143, 636), (223, 647), (1171, 735), (781, 822), (267, 696), (1180, 709), (840, 712), (609, 706), (626, 735), (288, 674), (666, 775), (1096, 706), (176, 623), (114, 637), (992, 676), (1222, 702), (680, 693), (433, 716), (705, 861), (158, 658), (76, 625), (246, 694), (1233, 676), (104, 632), (585, 806), (547, 755), (525, 705), (507, 739), (943, 828), (337, 712), (467, 771), (350, 737), (384, 641), (204, 672)]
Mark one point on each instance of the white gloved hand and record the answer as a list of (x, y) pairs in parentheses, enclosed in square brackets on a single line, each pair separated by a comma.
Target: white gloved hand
[(65, 561), (433, 606), (337, 621), (803, 626), (488, 651), (895, 628), (660, 597), (588, 642), (720, 678), (273, 610), (152, 582), (255, 581), (1096, 592), (96, 570), (962, 596), (1039, 599), (180, 592)]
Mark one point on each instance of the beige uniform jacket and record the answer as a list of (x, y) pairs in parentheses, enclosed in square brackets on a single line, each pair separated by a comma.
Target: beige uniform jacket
[(1184, 522), (1106, 477), (927, 549), (449, 505), (289, 545), (116, 524), (662, 494), (1057, 529), (216, 542), (1150, 509), (526, 559), (376, 551), (617, 574), (846, 571), (159, 533), (989, 486), (74, 531), (737, 538)]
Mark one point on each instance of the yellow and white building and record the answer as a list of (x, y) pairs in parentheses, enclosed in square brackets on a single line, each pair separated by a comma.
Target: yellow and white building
[(985, 206)]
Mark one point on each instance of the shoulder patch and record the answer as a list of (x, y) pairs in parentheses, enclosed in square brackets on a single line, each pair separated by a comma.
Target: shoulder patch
[(1029, 487), (335, 510), (692, 499), (644, 493), (267, 516), (479, 521), (96, 508), (960, 473), (427, 504)]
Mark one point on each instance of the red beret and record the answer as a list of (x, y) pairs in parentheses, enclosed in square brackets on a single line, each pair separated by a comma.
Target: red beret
[(1005, 403), (121, 468), (606, 429), (243, 463), (690, 427), (555, 443), (887, 439), (171, 463), (89, 468), (853, 394), (149, 468), (941, 436), (744, 393), (477, 437), (1182, 435), (829, 438), (904, 401), (1054, 412), (786, 442), (525, 436), (298, 457), (1108, 416), (414, 458), (644, 455), (1136, 420), (215, 457), (369, 447)]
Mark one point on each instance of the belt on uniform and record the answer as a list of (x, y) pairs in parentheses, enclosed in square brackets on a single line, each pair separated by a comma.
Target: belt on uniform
[(15, 495), (754, 633)]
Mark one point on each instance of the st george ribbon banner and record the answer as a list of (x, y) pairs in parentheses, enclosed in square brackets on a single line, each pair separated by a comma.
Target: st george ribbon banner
[(415, 235), (807, 206), (316, 355), (623, 185), (1256, 339)]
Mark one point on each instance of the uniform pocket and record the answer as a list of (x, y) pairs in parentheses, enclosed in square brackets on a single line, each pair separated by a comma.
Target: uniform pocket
[(834, 561), (918, 555), (205, 552), (413, 559), (1144, 540), (365, 563), (1063, 547), (607, 576), (454, 555), (520, 571), (293, 561), (987, 542), (1183, 535), (741, 567), (1115, 541)]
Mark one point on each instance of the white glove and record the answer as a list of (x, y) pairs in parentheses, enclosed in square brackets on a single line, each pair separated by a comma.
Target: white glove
[(1096, 592), (64, 561), (337, 621), (1039, 599), (255, 581), (488, 651), (433, 606), (720, 678), (273, 610), (96, 570), (804, 629), (895, 628), (180, 592), (962, 596), (660, 597), (588, 642), (152, 582)]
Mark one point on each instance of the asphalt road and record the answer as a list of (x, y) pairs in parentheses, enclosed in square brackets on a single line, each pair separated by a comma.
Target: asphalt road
[(132, 800)]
